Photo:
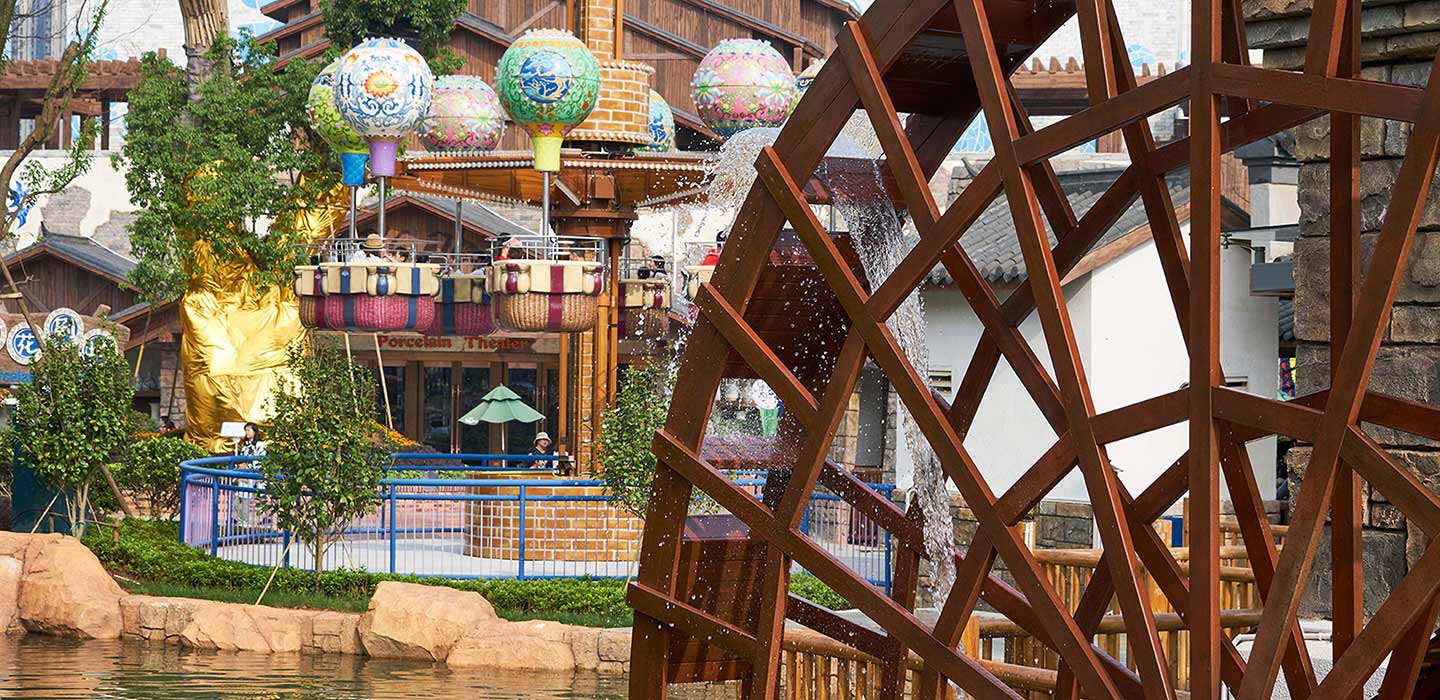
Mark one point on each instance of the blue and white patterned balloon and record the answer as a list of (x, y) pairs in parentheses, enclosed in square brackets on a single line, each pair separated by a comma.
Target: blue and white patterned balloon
[(383, 89)]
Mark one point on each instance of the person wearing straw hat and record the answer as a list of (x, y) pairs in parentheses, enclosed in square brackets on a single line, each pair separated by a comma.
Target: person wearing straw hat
[(371, 250), (541, 447)]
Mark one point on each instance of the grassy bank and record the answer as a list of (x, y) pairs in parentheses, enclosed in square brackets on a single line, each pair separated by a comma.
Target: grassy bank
[(149, 559)]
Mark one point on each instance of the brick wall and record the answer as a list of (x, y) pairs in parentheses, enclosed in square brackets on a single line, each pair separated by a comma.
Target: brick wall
[(554, 530), (597, 26), (622, 112), (582, 432)]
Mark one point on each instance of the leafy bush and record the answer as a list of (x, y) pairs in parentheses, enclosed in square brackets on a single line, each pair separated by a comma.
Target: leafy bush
[(150, 552), (815, 591), (202, 172), (152, 469), (627, 431), (72, 418), (326, 454)]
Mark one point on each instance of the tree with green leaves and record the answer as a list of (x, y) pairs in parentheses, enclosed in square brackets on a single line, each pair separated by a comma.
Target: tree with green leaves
[(72, 419), (151, 468), (628, 429), (221, 177), (324, 452), (424, 24)]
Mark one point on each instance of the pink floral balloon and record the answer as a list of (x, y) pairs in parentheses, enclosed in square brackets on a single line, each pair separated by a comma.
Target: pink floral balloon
[(465, 117), (743, 84)]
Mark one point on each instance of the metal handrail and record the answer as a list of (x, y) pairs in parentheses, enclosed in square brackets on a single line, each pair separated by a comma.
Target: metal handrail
[(222, 512)]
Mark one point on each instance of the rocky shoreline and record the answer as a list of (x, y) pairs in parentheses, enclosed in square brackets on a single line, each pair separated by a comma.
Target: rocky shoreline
[(53, 584)]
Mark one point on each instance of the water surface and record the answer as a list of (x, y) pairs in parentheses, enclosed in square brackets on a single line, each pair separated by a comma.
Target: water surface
[(56, 669)]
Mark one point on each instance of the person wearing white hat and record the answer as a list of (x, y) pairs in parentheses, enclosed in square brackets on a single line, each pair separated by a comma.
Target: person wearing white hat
[(540, 447)]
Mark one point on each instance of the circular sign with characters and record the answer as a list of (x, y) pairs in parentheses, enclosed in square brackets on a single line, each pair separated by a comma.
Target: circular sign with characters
[(65, 323), (22, 344), (94, 339)]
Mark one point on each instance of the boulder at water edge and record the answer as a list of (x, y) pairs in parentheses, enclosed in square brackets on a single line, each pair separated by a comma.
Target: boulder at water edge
[(516, 646), (413, 621), (61, 588)]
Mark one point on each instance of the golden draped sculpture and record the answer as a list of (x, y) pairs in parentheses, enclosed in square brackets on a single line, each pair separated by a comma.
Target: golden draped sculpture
[(235, 336)]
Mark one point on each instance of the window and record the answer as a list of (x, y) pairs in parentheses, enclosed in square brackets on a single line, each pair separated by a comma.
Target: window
[(943, 381)]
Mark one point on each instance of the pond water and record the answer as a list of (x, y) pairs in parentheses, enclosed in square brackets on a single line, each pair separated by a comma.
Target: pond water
[(55, 669)]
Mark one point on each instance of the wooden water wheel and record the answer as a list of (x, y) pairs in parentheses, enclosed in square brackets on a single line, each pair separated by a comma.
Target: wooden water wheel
[(942, 62)]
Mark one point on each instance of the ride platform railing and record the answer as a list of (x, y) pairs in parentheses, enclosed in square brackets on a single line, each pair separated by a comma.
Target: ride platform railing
[(476, 516)]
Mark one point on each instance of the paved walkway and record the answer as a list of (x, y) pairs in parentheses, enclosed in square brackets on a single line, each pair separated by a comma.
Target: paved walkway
[(445, 556)]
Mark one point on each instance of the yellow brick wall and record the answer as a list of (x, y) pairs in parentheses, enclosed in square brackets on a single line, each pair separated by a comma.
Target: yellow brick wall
[(572, 531), (622, 112)]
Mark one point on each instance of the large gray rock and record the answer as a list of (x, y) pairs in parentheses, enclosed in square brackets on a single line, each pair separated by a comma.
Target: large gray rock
[(412, 621)]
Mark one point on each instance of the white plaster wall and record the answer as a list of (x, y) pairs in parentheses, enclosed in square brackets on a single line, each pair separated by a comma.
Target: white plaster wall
[(1009, 432), (108, 194), (1250, 348), (1132, 349), (1138, 354)]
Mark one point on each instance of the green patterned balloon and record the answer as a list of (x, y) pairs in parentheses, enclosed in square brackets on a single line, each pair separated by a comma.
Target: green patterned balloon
[(325, 119), (548, 82)]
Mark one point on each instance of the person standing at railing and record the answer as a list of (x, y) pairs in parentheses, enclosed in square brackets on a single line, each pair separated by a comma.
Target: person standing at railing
[(252, 446), (540, 448)]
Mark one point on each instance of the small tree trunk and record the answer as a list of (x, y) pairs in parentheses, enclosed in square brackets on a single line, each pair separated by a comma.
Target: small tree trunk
[(78, 507), (319, 545)]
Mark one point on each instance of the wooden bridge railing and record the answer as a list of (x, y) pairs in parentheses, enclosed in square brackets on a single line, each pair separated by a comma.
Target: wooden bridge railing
[(819, 668)]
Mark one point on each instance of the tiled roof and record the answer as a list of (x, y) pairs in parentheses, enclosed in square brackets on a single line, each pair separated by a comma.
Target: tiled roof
[(479, 216), (992, 244), (80, 250), (473, 214), (99, 75), (1287, 321)]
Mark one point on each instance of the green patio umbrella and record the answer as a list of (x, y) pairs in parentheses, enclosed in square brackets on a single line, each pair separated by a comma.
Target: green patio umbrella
[(501, 405)]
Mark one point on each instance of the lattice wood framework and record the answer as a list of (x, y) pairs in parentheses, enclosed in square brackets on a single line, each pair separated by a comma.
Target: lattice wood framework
[(942, 62)]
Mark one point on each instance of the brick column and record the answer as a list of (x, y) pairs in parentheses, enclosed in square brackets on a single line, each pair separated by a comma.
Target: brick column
[(622, 111), (600, 22), (1399, 42)]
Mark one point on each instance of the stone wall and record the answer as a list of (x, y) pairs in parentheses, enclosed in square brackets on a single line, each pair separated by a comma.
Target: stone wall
[(53, 584), (1399, 40)]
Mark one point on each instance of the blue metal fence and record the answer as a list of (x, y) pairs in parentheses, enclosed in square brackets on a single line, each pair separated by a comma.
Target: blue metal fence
[(476, 516)]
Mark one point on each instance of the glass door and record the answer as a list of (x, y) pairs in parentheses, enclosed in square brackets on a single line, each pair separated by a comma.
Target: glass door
[(523, 380), (474, 385), (438, 414)]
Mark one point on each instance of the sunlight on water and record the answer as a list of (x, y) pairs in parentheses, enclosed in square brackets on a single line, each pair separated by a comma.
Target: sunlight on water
[(56, 669)]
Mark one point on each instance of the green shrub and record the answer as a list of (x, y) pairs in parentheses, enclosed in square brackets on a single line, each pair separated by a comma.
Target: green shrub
[(152, 469), (815, 591), (150, 552), (326, 454), (628, 429)]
